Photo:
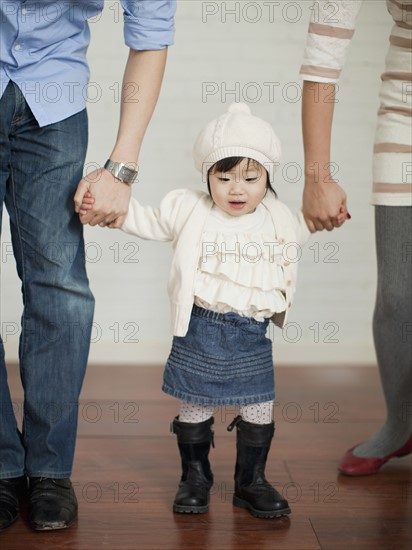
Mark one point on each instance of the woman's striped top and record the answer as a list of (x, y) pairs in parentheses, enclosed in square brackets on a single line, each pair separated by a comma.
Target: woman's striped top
[(331, 28)]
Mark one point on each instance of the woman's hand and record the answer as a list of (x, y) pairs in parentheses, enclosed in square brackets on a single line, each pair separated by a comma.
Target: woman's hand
[(324, 204)]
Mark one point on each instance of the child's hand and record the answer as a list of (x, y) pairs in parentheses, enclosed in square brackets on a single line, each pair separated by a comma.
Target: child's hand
[(87, 203)]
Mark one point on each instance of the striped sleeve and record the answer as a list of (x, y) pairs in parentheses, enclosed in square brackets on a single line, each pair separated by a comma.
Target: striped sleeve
[(331, 27), (401, 11)]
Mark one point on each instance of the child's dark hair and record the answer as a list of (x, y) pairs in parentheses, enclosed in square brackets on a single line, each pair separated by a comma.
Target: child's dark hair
[(228, 163)]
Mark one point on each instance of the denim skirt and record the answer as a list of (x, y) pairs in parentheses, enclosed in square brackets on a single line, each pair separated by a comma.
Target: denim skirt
[(224, 359)]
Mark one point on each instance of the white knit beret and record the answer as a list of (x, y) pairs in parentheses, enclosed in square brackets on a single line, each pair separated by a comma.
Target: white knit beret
[(237, 133)]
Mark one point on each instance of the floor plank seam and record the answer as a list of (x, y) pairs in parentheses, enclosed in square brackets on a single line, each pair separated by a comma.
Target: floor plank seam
[(314, 532)]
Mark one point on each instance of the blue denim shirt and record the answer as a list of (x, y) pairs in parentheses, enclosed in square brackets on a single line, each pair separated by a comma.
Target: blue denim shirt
[(43, 47)]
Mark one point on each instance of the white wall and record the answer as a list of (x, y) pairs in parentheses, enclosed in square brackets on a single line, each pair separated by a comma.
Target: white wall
[(335, 298)]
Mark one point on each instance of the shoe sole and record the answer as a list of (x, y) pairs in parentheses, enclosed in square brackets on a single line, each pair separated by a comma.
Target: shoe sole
[(348, 474), (179, 509), (264, 514), (354, 474), (36, 527)]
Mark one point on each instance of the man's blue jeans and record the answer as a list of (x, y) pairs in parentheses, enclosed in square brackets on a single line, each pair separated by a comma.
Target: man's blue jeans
[(39, 172)]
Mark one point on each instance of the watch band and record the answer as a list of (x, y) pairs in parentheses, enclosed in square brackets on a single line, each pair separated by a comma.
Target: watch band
[(121, 171)]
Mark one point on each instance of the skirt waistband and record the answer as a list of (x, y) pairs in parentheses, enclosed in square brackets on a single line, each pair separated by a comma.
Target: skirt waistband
[(226, 317)]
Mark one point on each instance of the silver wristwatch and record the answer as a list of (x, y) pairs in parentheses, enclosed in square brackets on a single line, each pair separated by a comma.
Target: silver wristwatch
[(121, 171)]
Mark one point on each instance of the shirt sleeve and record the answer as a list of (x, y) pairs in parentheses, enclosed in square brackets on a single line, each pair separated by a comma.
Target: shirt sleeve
[(331, 27), (149, 24), (156, 224)]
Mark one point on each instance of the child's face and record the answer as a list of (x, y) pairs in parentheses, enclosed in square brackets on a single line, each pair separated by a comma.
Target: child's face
[(240, 190)]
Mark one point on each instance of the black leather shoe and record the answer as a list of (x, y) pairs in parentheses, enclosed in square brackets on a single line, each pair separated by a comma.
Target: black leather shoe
[(52, 503), (11, 491)]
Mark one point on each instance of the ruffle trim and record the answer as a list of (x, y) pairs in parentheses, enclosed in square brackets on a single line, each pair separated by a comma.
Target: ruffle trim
[(225, 295), (250, 260)]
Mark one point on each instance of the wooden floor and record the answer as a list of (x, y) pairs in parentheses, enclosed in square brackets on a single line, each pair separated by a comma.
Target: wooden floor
[(127, 469)]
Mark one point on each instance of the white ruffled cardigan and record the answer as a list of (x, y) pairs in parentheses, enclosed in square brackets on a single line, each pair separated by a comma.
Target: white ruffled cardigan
[(181, 218), (240, 266)]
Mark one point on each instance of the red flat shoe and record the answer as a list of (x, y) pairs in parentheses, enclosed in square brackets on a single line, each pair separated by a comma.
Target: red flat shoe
[(352, 465)]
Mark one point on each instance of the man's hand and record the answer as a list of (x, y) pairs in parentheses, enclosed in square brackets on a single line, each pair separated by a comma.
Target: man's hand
[(324, 205), (111, 199)]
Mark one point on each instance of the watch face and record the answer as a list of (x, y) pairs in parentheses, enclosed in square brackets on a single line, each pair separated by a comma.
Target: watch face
[(123, 173)]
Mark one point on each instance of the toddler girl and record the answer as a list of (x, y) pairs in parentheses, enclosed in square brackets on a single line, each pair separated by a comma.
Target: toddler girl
[(233, 270)]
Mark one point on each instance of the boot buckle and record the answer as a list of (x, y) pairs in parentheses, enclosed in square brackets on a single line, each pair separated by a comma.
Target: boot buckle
[(234, 423)]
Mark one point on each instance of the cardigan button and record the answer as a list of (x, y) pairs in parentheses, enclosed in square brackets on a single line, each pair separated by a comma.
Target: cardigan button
[(286, 263)]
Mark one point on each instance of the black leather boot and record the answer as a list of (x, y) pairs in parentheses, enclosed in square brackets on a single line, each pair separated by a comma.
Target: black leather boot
[(52, 503), (194, 442), (11, 491), (252, 490)]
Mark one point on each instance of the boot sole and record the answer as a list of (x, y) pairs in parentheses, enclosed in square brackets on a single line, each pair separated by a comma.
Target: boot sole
[(45, 527), (179, 509), (265, 514)]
